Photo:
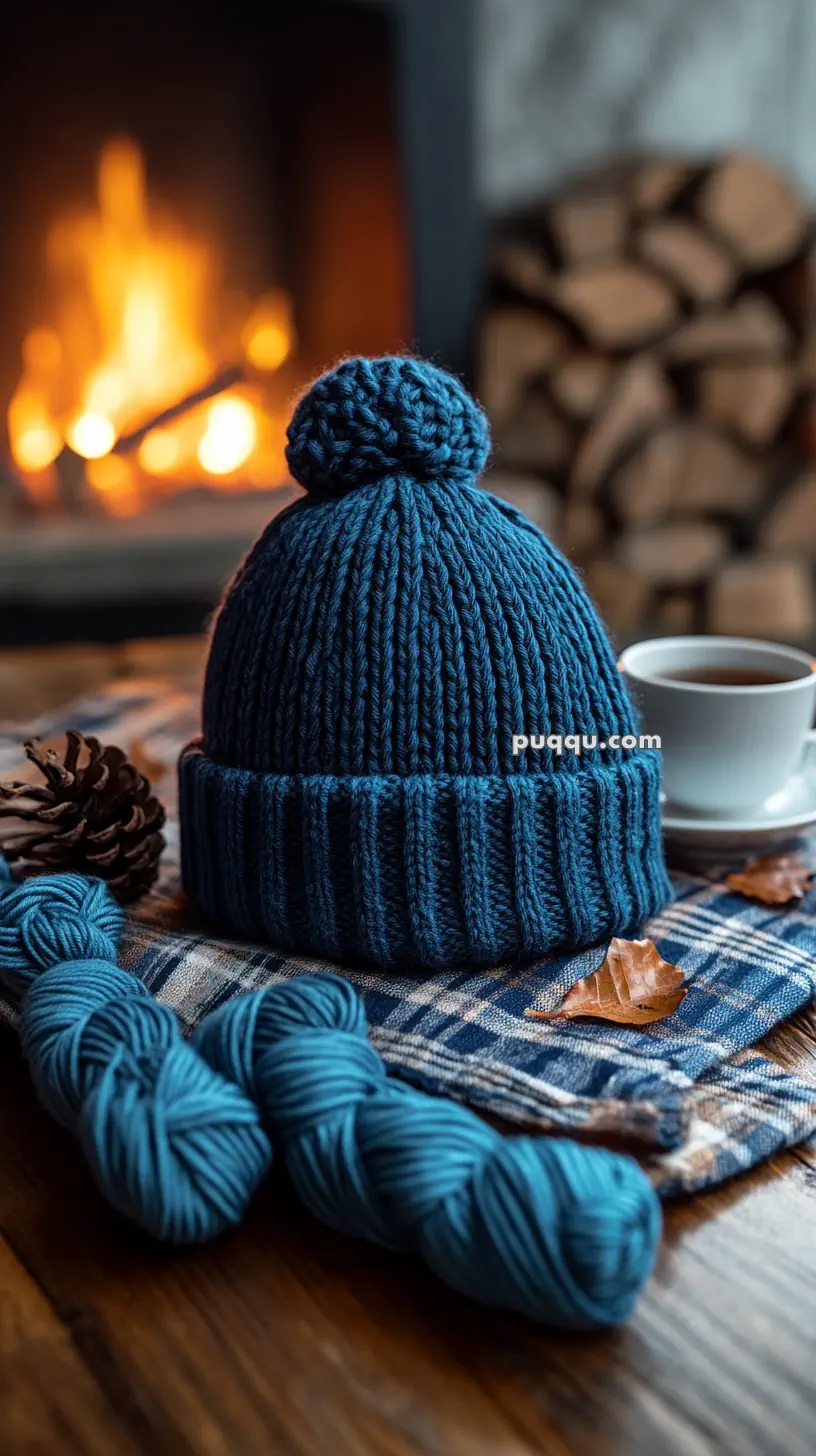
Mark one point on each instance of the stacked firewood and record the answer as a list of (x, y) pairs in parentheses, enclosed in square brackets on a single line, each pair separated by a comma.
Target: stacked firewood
[(649, 354)]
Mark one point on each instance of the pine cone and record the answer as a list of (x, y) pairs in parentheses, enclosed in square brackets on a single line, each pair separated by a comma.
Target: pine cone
[(96, 814)]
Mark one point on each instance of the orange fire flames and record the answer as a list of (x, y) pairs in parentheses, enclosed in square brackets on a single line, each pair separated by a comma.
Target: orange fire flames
[(141, 320)]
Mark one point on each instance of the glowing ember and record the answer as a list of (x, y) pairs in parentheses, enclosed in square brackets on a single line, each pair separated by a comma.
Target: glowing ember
[(91, 435), (38, 442), (266, 338), (114, 480), (160, 452), (230, 437), (141, 321)]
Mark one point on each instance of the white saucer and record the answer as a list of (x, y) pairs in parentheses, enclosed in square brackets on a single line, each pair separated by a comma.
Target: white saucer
[(785, 816)]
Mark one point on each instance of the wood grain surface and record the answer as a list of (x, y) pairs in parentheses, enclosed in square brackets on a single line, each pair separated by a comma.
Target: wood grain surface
[(283, 1337)]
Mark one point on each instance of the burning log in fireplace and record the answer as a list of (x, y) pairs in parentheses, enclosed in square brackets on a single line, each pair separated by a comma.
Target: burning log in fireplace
[(649, 354), (324, 153), (219, 384), (69, 466), (125, 428), (123, 395)]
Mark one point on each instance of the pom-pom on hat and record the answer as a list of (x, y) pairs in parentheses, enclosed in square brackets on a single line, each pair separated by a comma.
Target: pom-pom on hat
[(372, 420), (356, 793)]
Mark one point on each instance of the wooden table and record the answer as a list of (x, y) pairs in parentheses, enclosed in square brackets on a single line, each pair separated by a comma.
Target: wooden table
[(285, 1338)]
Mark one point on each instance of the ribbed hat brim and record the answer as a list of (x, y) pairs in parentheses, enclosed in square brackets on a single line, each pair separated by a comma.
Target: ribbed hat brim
[(419, 872)]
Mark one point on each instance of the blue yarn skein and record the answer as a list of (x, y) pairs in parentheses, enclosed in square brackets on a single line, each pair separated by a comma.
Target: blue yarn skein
[(562, 1233), (172, 1144)]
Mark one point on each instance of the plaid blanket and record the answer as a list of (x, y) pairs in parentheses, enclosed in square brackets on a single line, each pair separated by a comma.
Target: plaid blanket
[(697, 1102)]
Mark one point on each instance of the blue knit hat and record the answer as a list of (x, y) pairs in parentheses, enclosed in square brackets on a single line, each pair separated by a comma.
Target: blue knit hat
[(355, 794)]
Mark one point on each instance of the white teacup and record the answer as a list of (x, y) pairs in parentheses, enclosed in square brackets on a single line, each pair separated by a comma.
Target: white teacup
[(726, 748)]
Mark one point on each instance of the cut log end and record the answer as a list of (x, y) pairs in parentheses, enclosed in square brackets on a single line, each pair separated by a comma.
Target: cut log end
[(657, 182), (517, 345), (750, 399), (685, 468), (763, 597), (621, 597), (524, 267), (534, 437), (639, 398), (678, 554), (753, 328), (699, 266), (580, 383), (658, 369), (588, 227), (790, 523), (755, 210), (617, 305)]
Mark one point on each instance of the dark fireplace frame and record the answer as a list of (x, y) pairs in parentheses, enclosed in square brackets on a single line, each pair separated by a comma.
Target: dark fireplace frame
[(431, 46), (436, 72)]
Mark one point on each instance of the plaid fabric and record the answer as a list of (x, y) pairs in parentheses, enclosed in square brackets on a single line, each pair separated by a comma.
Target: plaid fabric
[(699, 1103)]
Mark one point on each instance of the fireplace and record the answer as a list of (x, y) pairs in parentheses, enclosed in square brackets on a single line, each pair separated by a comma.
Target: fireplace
[(203, 206)]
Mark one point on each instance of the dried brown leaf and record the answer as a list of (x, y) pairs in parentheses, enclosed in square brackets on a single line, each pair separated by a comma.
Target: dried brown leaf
[(774, 879), (634, 986)]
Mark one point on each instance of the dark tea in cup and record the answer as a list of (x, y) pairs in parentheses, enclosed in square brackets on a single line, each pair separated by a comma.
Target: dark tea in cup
[(725, 677), (732, 714)]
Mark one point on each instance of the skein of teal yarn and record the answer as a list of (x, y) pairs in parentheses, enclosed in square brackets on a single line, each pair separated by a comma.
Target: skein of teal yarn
[(173, 1145), (564, 1234)]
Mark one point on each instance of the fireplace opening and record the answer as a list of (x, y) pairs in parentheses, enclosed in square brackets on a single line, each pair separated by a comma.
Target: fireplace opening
[(203, 207), (145, 372)]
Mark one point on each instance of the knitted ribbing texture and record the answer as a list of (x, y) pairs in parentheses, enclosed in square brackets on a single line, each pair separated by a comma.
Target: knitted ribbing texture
[(355, 793)]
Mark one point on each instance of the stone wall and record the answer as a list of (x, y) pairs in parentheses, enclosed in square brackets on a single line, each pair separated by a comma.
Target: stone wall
[(567, 82)]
